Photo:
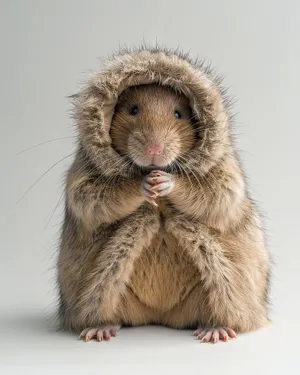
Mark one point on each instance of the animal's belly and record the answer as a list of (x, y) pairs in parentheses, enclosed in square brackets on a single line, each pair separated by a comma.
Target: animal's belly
[(164, 274)]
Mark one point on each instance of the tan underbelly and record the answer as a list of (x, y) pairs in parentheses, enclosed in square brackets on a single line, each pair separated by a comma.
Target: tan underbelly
[(164, 274)]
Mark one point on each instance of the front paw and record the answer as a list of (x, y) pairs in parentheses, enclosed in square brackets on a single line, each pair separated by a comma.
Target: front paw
[(158, 184)]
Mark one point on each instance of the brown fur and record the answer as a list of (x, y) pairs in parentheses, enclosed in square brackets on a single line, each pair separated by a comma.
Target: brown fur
[(197, 259), (154, 123)]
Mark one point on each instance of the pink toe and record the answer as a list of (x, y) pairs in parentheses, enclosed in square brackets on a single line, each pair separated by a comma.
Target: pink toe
[(230, 332), (223, 334), (215, 336), (201, 335), (91, 334), (113, 332), (100, 335), (106, 335), (84, 332), (208, 336)]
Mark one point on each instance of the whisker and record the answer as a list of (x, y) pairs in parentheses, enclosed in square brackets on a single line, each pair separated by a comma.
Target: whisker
[(48, 170), (55, 208), (43, 143), (183, 171), (190, 170)]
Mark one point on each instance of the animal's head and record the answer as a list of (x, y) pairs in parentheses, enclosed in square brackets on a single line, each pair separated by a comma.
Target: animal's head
[(152, 107)]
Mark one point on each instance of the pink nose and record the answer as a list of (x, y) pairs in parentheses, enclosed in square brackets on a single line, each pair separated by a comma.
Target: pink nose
[(154, 150)]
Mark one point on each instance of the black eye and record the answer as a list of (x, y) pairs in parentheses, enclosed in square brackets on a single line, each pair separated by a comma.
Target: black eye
[(177, 115), (133, 110)]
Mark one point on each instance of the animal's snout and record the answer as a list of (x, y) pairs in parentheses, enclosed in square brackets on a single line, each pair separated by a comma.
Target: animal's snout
[(154, 150)]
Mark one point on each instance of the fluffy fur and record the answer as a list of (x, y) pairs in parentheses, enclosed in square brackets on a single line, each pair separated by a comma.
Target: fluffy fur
[(200, 259)]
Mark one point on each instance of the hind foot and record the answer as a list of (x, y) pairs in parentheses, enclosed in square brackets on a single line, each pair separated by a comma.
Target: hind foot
[(102, 332), (214, 334)]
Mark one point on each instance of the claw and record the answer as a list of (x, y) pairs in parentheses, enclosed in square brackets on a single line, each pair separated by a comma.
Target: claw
[(100, 333), (214, 334)]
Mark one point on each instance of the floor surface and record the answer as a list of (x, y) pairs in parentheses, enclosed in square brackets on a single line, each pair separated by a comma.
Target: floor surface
[(30, 345)]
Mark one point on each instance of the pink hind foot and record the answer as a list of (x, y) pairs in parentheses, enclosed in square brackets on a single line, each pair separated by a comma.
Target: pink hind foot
[(102, 332), (214, 334)]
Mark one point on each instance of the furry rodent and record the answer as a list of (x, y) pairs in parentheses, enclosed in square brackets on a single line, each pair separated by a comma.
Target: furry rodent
[(159, 227)]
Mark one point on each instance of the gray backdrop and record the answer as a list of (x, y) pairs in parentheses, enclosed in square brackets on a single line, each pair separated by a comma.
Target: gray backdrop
[(47, 47)]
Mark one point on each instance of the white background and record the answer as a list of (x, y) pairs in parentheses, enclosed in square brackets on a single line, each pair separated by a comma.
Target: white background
[(47, 48)]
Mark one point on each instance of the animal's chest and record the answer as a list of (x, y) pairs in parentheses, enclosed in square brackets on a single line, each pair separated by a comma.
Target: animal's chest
[(164, 274)]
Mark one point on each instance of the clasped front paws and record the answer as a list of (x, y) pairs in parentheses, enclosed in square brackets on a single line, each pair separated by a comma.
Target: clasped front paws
[(157, 184)]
